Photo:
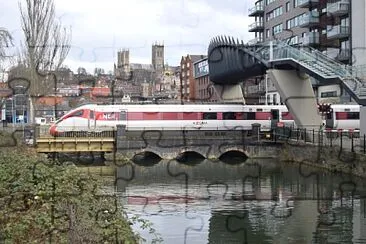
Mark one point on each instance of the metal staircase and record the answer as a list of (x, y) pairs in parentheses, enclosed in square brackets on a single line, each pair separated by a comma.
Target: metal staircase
[(316, 64)]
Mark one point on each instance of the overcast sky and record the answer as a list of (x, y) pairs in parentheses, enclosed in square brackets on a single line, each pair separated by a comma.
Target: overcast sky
[(101, 28)]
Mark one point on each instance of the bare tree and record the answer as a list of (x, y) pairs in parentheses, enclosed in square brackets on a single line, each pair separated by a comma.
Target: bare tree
[(46, 46), (6, 41)]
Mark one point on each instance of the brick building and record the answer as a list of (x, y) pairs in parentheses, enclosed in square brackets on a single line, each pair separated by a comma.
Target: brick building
[(187, 87)]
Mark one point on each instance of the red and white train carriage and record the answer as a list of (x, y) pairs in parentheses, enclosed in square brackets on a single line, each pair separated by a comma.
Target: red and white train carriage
[(345, 117), (100, 118)]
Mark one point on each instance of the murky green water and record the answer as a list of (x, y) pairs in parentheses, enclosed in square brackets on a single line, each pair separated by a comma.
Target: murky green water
[(253, 202)]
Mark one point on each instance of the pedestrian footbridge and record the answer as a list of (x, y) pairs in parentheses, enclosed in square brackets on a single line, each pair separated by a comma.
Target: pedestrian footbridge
[(289, 67)]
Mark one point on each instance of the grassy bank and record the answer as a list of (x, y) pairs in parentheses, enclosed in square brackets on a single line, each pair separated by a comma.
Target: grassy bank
[(44, 201)]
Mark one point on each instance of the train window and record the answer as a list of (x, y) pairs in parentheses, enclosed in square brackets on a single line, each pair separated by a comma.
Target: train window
[(151, 115), (91, 114), (341, 115), (353, 115), (170, 116), (77, 114), (249, 116), (191, 116), (239, 116), (228, 116), (209, 116)]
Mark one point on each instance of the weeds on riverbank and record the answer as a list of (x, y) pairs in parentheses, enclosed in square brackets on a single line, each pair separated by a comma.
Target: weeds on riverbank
[(41, 200)]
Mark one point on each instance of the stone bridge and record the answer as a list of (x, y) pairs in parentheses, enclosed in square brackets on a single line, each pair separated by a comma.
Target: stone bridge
[(207, 144)]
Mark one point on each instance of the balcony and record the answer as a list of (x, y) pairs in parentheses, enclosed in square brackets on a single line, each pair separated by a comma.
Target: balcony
[(338, 8), (313, 38), (309, 20), (338, 32), (255, 89), (255, 40), (257, 10), (256, 26), (343, 55), (307, 3)]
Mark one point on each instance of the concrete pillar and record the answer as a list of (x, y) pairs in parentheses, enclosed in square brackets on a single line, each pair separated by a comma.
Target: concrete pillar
[(297, 93), (230, 93), (362, 123)]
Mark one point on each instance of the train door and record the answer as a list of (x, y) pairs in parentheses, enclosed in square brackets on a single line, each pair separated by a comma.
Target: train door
[(330, 120), (92, 121), (275, 117), (123, 118)]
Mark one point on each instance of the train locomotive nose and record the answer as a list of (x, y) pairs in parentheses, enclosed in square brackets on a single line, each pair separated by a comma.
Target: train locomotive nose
[(53, 130)]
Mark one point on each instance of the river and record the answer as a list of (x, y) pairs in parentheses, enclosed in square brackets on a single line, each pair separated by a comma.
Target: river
[(261, 201)]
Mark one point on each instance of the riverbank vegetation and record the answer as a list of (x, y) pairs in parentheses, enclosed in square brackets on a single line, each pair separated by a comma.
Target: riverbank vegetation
[(45, 201)]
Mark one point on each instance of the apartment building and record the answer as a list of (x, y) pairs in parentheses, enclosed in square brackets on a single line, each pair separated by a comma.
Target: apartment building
[(322, 24)]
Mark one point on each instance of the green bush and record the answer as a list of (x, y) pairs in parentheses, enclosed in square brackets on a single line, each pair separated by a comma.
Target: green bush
[(44, 201)]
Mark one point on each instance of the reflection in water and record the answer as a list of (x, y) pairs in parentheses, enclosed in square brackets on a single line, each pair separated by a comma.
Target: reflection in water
[(253, 202)]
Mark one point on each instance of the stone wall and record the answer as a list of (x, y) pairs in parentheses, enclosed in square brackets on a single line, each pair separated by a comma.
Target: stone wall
[(330, 158)]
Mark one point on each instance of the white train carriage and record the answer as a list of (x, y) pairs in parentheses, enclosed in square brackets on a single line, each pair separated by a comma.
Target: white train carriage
[(99, 118), (168, 117), (345, 117)]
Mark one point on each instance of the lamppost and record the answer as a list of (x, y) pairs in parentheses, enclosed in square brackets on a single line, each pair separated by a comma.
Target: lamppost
[(266, 83), (12, 111)]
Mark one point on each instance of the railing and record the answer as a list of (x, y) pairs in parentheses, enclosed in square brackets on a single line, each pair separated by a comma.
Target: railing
[(343, 54), (257, 7), (307, 2), (309, 18), (312, 38), (340, 6), (283, 51), (257, 24), (338, 31), (255, 40), (348, 140)]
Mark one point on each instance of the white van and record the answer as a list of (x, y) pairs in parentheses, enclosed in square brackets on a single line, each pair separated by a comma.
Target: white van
[(40, 121)]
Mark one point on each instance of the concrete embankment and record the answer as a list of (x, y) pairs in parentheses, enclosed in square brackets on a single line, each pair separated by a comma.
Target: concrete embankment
[(332, 158)]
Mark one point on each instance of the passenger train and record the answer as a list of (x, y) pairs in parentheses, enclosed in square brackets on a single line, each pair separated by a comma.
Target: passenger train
[(100, 118)]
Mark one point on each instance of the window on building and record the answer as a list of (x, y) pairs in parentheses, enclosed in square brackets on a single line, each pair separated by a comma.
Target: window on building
[(274, 99), (293, 40), (288, 24), (267, 33), (345, 45), (277, 29), (287, 6), (296, 2), (274, 13), (328, 94)]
